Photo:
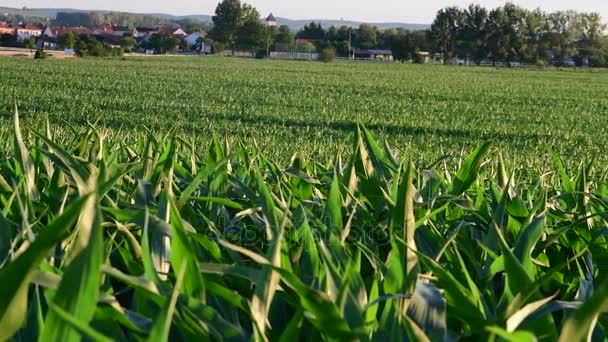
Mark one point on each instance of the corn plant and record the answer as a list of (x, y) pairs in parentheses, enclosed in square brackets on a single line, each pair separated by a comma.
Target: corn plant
[(105, 238)]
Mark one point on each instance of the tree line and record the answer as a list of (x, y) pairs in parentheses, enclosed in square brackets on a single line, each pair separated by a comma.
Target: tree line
[(474, 34), (513, 34)]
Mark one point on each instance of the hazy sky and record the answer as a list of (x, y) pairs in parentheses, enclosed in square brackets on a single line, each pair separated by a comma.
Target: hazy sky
[(420, 11)]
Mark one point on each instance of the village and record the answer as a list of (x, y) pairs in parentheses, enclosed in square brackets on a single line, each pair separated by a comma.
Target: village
[(135, 39), (140, 40), (581, 43)]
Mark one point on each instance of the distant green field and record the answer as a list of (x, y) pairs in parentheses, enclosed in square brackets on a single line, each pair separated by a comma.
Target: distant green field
[(423, 111), (109, 232)]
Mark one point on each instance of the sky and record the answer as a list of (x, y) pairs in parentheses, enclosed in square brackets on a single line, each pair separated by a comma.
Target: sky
[(408, 11)]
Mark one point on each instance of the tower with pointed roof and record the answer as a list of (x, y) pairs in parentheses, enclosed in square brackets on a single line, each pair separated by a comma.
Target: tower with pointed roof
[(271, 21)]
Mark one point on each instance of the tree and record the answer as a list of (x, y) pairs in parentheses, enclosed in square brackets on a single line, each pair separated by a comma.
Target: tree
[(366, 36), (505, 33), (591, 48), (535, 36), (328, 55), (251, 33), (564, 30), (30, 43), (445, 31), (284, 35), (226, 21), (473, 39), (312, 31), (40, 54), (8, 39), (513, 27), (163, 42), (127, 43), (68, 40)]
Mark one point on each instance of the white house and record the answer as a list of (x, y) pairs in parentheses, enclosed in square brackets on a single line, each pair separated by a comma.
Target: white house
[(27, 31), (192, 38)]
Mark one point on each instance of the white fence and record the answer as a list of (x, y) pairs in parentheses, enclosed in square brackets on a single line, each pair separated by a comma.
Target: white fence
[(308, 56)]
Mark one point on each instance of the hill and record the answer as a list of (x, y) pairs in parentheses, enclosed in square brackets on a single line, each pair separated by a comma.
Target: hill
[(294, 24)]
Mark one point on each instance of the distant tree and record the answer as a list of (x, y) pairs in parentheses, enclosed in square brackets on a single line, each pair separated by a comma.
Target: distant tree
[(30, 43), (506, 28), (514, 27), (68, 40), (312, 31), (473, 39), (8, 39), (591, 45), (366, 36), (127, 43), (405, 44), (40, 54), (284, 35), (89, 46), (328, 55), (226, 21), (163, 43), (535, 36), (445, 31), (564, 30), (402, 46), (251, 32)]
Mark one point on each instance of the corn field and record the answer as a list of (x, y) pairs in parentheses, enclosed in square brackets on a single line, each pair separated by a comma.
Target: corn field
[(286, 107), (106, 238)]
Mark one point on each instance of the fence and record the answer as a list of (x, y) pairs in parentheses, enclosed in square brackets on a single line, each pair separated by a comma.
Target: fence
[(294, 51)]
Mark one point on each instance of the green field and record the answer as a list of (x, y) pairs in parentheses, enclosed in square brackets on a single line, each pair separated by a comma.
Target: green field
[(113, 227), (423, 111)]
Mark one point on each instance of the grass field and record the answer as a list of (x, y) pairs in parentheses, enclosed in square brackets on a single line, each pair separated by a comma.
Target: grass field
[(423, 111), (109, 231)]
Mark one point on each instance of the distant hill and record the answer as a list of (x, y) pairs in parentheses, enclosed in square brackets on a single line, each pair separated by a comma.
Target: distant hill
[(295, 25)]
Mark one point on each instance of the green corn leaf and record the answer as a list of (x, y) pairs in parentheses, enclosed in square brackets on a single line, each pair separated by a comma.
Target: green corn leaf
[(16, 276)]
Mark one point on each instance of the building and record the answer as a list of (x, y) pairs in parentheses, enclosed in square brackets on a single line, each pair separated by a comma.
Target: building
[(378, 55), (140, 32), (46, 42), (176, 32), (120, 31), (56, 32), (6, 28), (192, 38), (422, 57), (271, 21), (24, 32)]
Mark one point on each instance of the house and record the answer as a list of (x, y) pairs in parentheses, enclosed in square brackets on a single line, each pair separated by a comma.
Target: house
[(305, 41), (6, 28), (423, 57), (192, 38), (47, 42), (56, 32), (24, 32), (120, 31), (140, 32), (271, 21), (379, 55), (176, 32)]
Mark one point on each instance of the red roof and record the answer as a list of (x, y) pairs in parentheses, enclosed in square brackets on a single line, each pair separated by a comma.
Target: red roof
[(60, 31), (29, 27)]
